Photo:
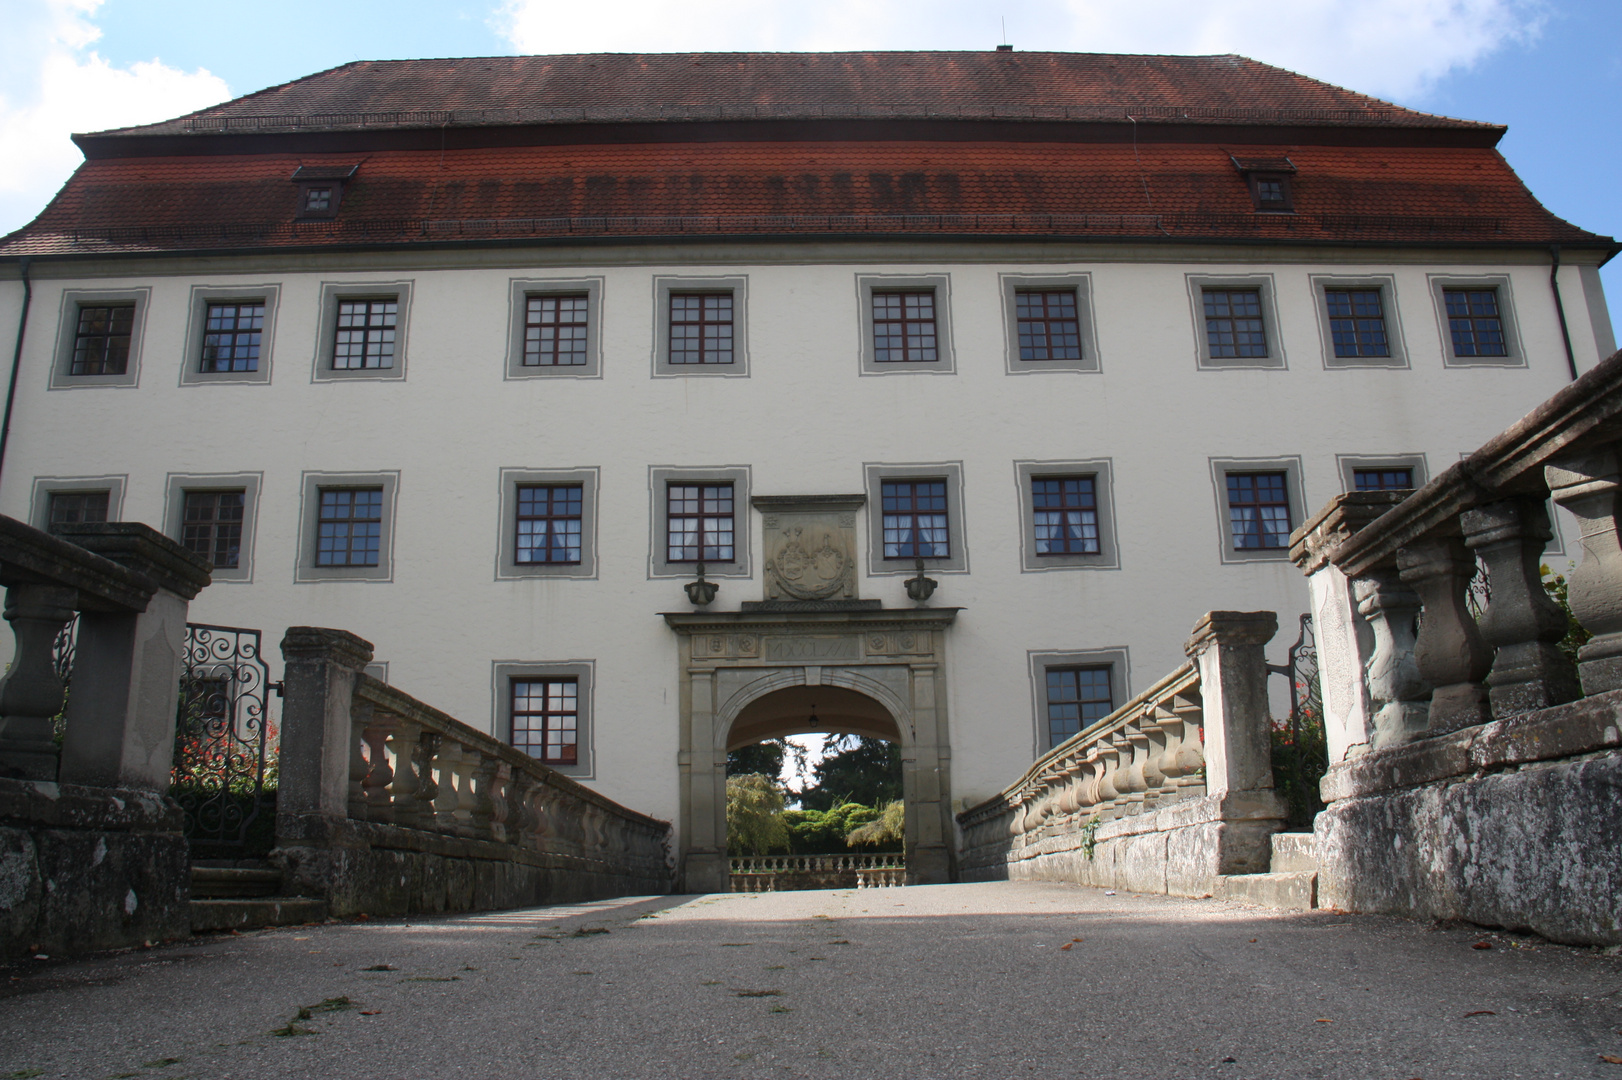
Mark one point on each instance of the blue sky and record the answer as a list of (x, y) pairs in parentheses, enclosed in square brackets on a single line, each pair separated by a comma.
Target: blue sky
[(1550, 69)]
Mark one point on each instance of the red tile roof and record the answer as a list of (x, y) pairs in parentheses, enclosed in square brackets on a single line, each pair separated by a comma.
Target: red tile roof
[(1358, 194), (504, 90)]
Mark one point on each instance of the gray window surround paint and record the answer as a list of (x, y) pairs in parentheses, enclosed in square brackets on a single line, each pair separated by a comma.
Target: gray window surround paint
[(39, 502), (1347, 464), (1387, 284), (327, 328), (874, 474), (1116, 658), (941, 285), (519, 291), (1082, 283), (310, 486), (1289, 465), (196, 328), (663, 286), (174, 513), (379, 670), (1102, 470), (1262, 283), (1438, 283), (507, 566), (67, 333), (502, 672), (1599, 315), (659, 478)]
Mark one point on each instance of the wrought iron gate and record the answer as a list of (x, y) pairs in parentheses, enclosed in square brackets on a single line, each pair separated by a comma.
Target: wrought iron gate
[(226, 748), (1300, 745)]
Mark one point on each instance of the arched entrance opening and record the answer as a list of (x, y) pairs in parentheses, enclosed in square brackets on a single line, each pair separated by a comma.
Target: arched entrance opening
[(863, 769)]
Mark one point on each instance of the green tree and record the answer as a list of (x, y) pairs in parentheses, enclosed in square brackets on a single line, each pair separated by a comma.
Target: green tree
[(887, 832), (823, 832), (765, 758), (855, 769), (755, 816)]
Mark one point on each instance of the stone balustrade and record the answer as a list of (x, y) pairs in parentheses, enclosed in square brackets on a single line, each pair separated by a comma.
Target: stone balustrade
[(786, 864), (389, 806), (1166, 794), (102, 790), (1412, 679), (847, 870)]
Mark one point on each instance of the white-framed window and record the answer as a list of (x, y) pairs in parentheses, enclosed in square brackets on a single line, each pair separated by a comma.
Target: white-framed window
[(363, 330), (913, 511), (213, 515), (99, 334), (1358, 321), (230, 330), (346, 528), (1235, 321), (906, 324), (1067, 515), (544, 709), (548, 523), (699, 512), (700, 326), (1074, 689), (1048, 323)]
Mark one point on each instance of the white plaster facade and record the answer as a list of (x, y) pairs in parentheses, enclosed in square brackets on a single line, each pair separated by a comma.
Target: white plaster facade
[(807, 419)]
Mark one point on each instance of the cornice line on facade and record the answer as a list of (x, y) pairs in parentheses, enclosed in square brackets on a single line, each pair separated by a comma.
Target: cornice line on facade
[(689, 623)]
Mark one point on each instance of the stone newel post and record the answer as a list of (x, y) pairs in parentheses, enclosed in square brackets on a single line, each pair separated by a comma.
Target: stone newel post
[(318, 689), (1227, 646), (120, 720)]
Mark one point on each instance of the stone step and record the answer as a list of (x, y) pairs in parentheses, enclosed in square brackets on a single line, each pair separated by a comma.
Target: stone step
[(218, 882), (1292, 891), (1294, 851), (255, 913)]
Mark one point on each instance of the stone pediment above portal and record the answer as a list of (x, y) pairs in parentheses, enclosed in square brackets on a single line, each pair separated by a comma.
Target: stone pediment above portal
[(810, 547)]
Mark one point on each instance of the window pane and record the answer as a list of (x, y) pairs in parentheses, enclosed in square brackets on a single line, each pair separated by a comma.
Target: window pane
[(699, 523), (549, 523), (1357, 322), (77, 507), (904, 327), (1383, 479), (212, 526), (914, 519), (545, 719), (101, 343), (1066, 515), (350, 529), (365, 334), (1077, 698), (700, 328), (232, 336), (1259, 510), (1048, 326), (555, 330), (1474, 322), (1233, 323)]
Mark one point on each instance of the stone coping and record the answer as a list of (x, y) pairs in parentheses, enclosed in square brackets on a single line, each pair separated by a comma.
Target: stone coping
[(1587, 726), (33, 556), (388, 699), (45, 804), (866, 619), (1582, 414), (145, 550), (1340, 518)]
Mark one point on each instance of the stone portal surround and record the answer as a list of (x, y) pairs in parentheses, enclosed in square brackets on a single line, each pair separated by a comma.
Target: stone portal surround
[(730, 659)]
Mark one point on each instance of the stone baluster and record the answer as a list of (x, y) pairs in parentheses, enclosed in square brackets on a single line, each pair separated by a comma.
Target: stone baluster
[(1169, 766), (1398, 696), (1590, 486), (359, 716), (375, 793), (1191, 749), (1108, 761), (446, 799), (467, 767), (426, 797), (1155, 737), (1529, 672), (1092, 771), (403, 745), (31, 694), (1135, 753), (1450, 653), (1070, 785)]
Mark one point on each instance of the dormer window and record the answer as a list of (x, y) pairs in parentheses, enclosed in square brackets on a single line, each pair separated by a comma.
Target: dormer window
[(321, 189), (1269, 182)]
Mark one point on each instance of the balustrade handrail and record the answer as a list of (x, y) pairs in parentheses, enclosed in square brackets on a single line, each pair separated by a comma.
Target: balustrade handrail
[(1181, 681), (787, 864), (1584, 414), (32, 556), (390, 700)]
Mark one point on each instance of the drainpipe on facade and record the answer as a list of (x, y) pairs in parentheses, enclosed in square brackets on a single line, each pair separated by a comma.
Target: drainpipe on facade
[(16, 362), (1559, 309)]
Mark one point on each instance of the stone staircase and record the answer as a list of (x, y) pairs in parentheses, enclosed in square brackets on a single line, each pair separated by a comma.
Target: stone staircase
[(242, 896), (1292, 883)]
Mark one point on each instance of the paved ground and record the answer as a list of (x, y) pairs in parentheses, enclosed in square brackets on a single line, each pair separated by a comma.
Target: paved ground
[(998, 980)]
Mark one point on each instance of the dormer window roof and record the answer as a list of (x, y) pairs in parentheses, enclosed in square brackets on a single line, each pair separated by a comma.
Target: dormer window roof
[(321, 189), (1269, 181)]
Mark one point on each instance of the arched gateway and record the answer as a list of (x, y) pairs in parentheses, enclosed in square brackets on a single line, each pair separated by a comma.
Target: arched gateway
[(754, 674)]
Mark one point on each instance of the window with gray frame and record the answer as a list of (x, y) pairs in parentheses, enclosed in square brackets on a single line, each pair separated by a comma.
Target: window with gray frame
[(365, 334), (1235, 318), (904, 327), (1393, 479), (1259, 510), (1048, 324), (1234, 327), (545, 715), (549, 524), (349, 529), (1064, 513), (211, 526), (232, 336), (1067, 515), (700, 328), (1474, 322), (1357, 322), (363, 331), (1476, 317), (699, 523), (915, 523), (98, 342), (77, 507), (1383, 472), (1077, 698), (555, 330), (101, 343)]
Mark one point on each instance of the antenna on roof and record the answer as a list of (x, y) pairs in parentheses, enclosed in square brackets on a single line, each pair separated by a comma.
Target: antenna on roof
[(1005, 47)]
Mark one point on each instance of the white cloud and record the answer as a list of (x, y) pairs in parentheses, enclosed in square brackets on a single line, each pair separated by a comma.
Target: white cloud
[(54, 85), (1391, 48)]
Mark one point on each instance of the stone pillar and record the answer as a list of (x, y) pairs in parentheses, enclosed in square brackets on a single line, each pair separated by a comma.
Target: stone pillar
[(1344, 638), (30, 693), (1589, 486), (1449, 651), (705, 868), (1397, 693), (318, 690), (120, 722), (1529, 671), (1227, 646)]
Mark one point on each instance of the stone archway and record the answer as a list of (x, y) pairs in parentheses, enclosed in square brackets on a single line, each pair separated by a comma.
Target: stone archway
[(742, 671)]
